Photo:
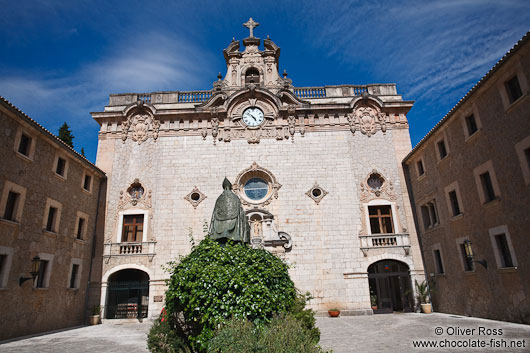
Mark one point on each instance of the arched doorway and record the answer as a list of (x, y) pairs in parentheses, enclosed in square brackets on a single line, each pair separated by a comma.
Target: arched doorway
[(390, 283), (127, 295)]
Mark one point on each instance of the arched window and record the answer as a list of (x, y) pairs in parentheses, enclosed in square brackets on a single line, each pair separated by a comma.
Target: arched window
[(252, 76)]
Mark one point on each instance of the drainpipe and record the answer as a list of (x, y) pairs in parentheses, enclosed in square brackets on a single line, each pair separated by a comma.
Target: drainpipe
[(93, 250)]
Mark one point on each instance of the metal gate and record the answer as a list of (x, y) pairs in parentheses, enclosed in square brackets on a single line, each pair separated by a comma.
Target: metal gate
[(389, 281), (127, 300)]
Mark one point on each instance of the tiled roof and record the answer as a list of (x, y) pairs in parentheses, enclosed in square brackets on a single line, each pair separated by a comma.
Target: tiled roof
[(495, 67), (45, 131)]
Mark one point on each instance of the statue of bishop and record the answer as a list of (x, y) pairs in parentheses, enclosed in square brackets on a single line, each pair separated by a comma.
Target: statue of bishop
[(228, 219)]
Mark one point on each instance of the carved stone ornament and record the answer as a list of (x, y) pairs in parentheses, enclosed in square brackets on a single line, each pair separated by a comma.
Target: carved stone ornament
[(375, 186), (291, 120), (135, 195), (351, 123), (316, 193), (367, 119), (255, 171), (141, 127), (195, 197)]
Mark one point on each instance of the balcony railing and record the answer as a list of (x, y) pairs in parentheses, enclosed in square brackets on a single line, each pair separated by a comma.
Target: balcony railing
[(380, 241), (129, 249)]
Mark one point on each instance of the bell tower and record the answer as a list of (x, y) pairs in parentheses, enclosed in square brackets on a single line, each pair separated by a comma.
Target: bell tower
[(252, 66)]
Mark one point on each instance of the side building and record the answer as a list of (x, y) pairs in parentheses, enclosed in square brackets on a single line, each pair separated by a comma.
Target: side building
[(469, 180), (318, 171), (48, 210)]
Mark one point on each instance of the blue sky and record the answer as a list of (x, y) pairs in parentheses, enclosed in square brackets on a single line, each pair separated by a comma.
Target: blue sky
[(59, 60)]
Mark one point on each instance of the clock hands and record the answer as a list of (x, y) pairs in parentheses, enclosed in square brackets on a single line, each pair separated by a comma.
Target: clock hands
[(255, 114)]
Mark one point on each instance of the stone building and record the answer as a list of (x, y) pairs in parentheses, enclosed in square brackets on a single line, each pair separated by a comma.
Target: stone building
[(470, 182), (318, 171), (48, 209)]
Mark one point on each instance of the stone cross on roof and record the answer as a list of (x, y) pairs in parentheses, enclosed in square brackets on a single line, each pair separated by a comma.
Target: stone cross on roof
[(251, 24)]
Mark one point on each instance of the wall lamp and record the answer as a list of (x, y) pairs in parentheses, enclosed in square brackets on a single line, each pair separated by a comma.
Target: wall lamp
[(35, 265), (470, 256)]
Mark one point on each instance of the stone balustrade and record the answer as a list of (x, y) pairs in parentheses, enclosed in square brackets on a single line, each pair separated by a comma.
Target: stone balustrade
[(310, 92), (194, 96), (300, 92), (378, 241), (129, 249)]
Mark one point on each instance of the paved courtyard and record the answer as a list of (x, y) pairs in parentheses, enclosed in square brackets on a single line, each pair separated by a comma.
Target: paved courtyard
[(377, 333)]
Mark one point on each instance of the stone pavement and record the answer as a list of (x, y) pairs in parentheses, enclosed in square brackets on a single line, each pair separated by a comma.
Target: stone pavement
[(377, 333), (396, 333), (108, 338)]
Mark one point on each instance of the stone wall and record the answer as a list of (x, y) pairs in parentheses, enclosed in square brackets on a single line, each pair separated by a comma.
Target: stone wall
[(326, 258), (496, 292), (25, 309)]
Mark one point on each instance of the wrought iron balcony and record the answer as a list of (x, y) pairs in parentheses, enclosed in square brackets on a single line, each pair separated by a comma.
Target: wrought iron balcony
[(129, 249), (380, 241)]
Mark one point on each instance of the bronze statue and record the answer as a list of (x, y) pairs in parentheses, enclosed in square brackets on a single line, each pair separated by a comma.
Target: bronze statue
[(228, 219)]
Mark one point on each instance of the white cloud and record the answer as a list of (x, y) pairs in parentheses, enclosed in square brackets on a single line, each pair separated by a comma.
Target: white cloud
[(433, 49), (140, 66), (151, 62)]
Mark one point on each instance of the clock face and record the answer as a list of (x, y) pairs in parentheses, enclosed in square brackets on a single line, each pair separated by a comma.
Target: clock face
[(253, 116)]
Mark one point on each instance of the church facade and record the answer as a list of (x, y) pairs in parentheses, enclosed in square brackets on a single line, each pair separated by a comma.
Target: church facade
[(318, 171)]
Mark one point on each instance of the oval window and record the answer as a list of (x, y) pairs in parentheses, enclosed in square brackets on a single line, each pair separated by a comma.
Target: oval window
[(256, 189)]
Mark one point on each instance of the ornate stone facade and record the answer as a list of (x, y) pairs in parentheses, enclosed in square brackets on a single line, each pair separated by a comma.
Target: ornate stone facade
[(298, 157)]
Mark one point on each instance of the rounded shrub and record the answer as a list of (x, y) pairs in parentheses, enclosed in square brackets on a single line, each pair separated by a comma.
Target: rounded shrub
[(217, 282)]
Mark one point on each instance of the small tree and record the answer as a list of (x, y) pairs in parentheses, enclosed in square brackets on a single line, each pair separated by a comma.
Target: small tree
[(65, 134)]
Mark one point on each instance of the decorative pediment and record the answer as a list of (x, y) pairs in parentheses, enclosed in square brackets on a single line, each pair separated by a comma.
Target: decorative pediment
[(262, 97), (288, 97)]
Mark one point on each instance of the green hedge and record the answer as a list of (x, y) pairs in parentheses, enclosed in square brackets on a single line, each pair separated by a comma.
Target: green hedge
[(215, 283)]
